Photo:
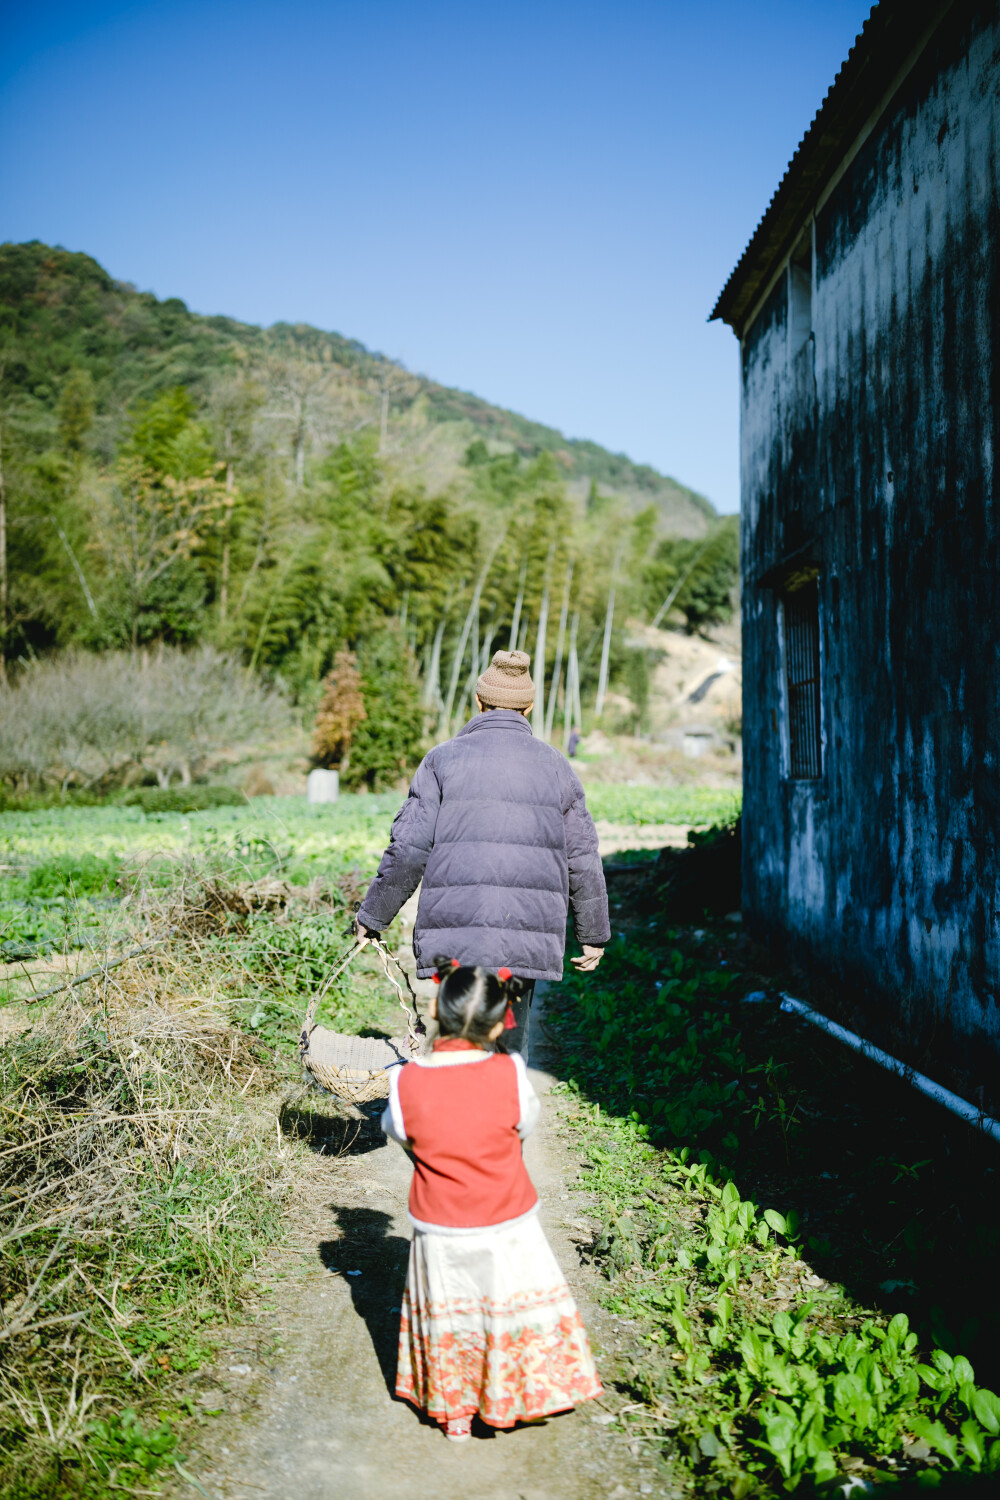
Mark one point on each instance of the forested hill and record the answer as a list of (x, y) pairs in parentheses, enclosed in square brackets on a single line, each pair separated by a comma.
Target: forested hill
[(286, 496), (61, 311)]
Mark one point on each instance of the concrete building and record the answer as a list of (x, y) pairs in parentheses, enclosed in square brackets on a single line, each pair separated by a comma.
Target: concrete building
[(867, 306)]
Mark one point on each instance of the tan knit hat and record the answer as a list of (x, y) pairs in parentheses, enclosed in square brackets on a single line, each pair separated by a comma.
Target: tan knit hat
[(507, 683)]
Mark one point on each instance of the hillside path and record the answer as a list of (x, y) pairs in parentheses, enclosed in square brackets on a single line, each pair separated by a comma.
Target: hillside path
[(308, 1413)]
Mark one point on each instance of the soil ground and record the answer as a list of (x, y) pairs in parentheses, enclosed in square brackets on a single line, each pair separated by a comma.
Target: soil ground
[(305, 1387)]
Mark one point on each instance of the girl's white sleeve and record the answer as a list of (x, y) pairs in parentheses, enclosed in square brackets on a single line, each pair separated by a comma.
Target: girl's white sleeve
[(530, 1105), (392, 1116)]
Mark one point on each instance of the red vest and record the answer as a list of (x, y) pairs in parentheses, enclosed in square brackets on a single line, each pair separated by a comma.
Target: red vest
[(461, 1122)]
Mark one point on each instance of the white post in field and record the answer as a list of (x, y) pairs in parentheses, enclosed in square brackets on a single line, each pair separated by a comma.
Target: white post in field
[(322, 786)]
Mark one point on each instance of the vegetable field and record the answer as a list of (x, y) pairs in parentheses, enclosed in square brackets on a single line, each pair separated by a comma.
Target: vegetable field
[(799, 1250)]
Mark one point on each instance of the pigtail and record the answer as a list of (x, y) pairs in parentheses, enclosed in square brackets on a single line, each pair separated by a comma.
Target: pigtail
[(471, 999), (510, 989)]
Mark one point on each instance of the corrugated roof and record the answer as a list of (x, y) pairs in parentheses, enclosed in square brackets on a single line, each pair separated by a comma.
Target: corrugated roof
[(890, 34)]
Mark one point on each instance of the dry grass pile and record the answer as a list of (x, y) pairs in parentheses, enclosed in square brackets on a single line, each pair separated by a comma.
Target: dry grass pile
[(203, 901), (142, 1167), (211, 904)]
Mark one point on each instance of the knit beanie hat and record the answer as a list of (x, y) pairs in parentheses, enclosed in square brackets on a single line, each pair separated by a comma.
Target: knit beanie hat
[(507, 683)]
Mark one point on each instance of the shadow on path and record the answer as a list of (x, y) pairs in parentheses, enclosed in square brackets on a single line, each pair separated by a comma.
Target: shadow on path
[(332, 1135), (368, 1248)]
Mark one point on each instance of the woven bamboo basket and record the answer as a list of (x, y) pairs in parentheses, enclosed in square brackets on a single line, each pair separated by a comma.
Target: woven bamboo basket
[(356, 1068)]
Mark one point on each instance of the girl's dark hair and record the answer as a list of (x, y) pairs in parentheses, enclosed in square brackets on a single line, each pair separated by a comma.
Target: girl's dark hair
[(471, 1000)]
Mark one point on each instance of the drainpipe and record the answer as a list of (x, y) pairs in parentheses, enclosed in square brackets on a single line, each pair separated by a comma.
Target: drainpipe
[(960, 1107)]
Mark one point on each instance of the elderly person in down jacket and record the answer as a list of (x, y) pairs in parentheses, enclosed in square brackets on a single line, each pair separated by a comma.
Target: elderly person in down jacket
[(497, 828)]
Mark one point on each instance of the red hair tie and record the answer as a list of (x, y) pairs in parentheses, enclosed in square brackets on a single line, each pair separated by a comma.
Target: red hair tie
[(503, 975), (436, 977)]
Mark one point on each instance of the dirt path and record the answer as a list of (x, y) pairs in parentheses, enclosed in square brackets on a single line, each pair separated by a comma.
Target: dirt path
[(306, 1388)]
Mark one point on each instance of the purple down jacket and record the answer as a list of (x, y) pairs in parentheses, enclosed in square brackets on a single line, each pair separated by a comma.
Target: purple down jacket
[(497, 827)]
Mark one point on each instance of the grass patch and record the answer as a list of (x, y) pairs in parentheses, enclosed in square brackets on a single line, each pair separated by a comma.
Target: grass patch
[(142, 1175), (64, 875), (180, 799), (699, 806), (768, 1355)]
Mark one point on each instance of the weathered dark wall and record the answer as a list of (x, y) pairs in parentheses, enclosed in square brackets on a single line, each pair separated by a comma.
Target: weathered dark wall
[(875, 447)]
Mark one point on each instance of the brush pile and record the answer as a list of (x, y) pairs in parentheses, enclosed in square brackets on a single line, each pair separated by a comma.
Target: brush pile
[(204, 902)]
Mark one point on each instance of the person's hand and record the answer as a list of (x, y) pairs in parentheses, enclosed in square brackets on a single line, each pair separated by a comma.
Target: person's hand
[(588, 960), (365, 933)]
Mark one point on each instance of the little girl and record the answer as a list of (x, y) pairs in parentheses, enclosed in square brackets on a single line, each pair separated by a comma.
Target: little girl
[(488, 1323)]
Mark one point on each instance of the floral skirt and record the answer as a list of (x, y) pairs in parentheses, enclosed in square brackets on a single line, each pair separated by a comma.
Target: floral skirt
[(488, 1325)]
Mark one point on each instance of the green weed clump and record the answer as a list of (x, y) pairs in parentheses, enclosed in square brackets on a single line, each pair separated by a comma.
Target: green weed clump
[(54, 904), (180, 799), (284, 963), (755, 1374)]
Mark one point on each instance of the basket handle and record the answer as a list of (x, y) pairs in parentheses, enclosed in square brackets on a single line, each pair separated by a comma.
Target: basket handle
[(338, 969), (415, 1028)]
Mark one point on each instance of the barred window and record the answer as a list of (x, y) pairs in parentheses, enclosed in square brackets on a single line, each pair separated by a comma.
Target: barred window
[(801, 615), (800, 295)]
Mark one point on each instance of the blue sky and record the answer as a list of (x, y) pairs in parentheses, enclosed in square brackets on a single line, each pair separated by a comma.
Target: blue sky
[(537, 202)]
